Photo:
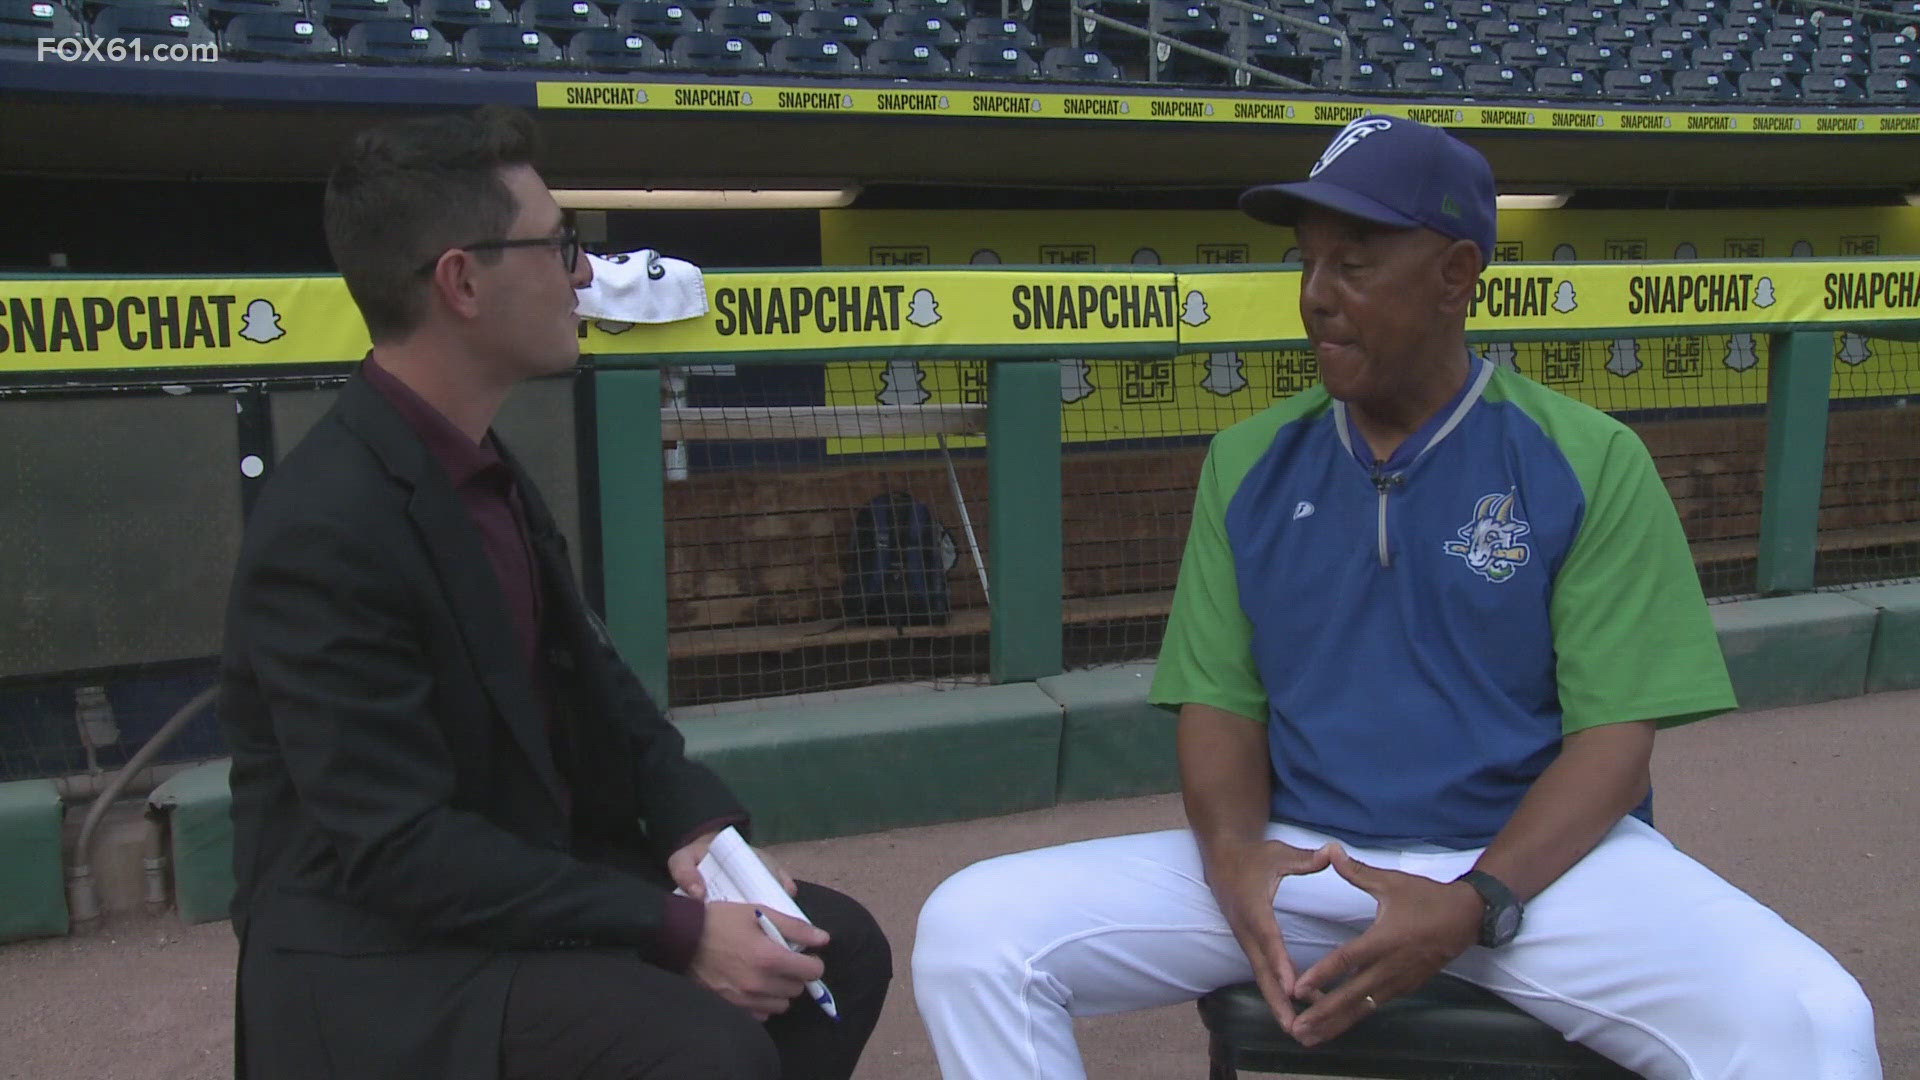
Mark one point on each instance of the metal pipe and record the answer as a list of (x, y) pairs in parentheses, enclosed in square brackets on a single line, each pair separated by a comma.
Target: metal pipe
[(82, 787), (83, 899), (1206, 54), (966, 523)]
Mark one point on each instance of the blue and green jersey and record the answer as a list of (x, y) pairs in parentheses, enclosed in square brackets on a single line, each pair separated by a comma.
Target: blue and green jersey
[(1418, 634)]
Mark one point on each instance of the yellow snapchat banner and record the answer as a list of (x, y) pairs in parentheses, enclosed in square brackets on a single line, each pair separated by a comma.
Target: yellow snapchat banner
[(101, 324)]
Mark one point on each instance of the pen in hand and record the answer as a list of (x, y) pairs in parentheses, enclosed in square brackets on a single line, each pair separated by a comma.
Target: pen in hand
[(815, 988)]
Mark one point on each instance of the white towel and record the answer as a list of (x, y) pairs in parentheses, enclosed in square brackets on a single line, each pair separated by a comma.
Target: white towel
[(642, 287)]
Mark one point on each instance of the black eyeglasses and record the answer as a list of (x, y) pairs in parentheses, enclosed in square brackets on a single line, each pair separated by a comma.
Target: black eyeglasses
[(568, 241)]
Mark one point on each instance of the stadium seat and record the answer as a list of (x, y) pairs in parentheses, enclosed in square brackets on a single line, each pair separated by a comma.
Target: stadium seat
[(1633, 84), (920, 29), (1064, 63), (1530, 13), (1561, 34), (1679, 38), (1781, 61), (219, 13), (1888, 41), (339, 15), (1849, 62), (1469, 12), (1310, 10), (1618, 38), (25, 22), (846, 28), (1460, 52), (954, 11), (396, 41), (1588, 15), (1596, 58), (1785, 21), (560, 19), (153, 25), (903, 59), (1009, 32), (1568, 84), (1740, 39), (1768, 88), (1390, 49), (986, 60), (1409, 10), (660, 21), (455, 17), (1656, 56), (1896, 59), (1499, 31), (508, 47), (1374, 22), (277, 35), (1697, 21), (614, 50), (1366, 75), (1891, 88), (1638, 18), (1318, 46), (1347, 9), (1659, 8), (1190, 22), (786, 9), (1484, 80), (1434, 29), (1530, 54), (1824, 88), (1730, 7), (812, 56), (1745, 20), (866, 9), (1841, 39), (1699, 87), (1722, 61), (755, 22), (717, 54), (1422, 78)]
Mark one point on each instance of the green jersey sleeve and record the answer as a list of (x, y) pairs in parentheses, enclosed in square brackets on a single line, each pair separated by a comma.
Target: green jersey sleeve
[(1207, 656), (1631, 631)]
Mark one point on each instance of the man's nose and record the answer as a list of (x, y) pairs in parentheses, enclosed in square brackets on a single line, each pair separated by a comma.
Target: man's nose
[(582, 271), (1315, 295)]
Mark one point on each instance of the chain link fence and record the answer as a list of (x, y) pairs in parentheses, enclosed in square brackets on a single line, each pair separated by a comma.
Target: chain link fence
[(1870, 494)]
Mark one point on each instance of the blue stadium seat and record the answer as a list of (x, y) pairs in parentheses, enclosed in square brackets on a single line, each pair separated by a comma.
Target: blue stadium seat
[(1732, 7), (1823, 88), (1588, 15), (1733, 38), (873, 10), (1390, 49), (1786, 21), (901, 58), (1633, 84), (1638, 18), (1657, 56), (1721, 60), (1367, 76), (1560, 34), (1702, 87), (1530, 13), (1676, 37), (1888, 41), (1596, 58), (812, 56), (455, 17), (1422, 78), (508, 47), (1841, 39), (560, 19), (954, 11), (1318, 46), (786, 9), (1369, 23), (1659, 8), (1064, 63), (1781, 61), (25, 22), (614, 50), (659, 21), (716, 54), (1786, 39), (219, 13), (1895, 59), (1768, 88), (1893, 88), (277, 35), (1848, 62), (1434, 29), (844, 27), (1347, 9), (154, 24), (1745, 20), (1530, 54), (1618, 38), (1409, 10), (987, 60), (1499, 31), (1010, 32), (396, 41), (1697, 21), (756, 22), (920, 29), (1495, 80), (1566, 84), (1188, 21), (1469, 12), (339, 15), (1460, 52)]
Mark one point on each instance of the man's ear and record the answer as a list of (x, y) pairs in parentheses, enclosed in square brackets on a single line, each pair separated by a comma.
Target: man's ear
[(453, 286), (1459, 271)]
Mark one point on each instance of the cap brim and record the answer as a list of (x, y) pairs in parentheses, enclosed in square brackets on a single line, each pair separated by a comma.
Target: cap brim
[(1280, 204)]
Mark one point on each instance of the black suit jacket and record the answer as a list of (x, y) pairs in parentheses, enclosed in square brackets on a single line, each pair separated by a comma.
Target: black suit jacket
[(397, 807)]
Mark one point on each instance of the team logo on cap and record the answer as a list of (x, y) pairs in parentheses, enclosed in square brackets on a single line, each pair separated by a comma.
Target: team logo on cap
[(1348, 138)]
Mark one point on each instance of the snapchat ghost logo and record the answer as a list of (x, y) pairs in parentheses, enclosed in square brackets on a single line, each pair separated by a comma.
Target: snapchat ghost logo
[(1226, 374), (1195, 312), (1685, 250), (1076, 381), (1146, 256), (1763, 292), (1853, 350), (1564, 299), (904, 382), (924, 309), (262, 323), (985, 257), (1802, 249), (1626, 357), (1502, 354), (1741, 355)]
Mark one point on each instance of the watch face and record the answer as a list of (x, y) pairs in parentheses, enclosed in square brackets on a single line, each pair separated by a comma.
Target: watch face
[(1504, 923)]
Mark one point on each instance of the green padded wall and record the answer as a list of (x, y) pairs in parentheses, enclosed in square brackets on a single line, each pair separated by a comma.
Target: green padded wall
[(33, 895)]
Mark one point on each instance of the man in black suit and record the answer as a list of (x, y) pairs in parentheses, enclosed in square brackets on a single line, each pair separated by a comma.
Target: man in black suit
[(458, 818)]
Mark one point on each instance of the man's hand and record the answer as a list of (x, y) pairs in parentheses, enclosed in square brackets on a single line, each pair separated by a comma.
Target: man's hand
[(1244, 878), (1421, 926), (736, 959), (684, 867)]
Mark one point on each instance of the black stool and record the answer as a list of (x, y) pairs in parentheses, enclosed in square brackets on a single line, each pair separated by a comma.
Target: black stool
[(1446, 1030)]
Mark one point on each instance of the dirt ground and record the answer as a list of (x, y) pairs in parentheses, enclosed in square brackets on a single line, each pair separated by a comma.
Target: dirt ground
[(1813, 810)]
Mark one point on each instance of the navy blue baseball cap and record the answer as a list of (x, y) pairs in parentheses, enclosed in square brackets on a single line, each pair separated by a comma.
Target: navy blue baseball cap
[(1395, 172)]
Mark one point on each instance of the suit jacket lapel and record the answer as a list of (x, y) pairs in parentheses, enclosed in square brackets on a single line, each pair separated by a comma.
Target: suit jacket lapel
[(453, 545)]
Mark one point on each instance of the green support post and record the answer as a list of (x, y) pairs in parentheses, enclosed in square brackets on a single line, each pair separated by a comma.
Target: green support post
[(1799, 381), (633, 534), (1023, 504)]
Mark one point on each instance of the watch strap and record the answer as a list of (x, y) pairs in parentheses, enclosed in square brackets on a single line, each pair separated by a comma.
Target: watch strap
[(1497, 897)]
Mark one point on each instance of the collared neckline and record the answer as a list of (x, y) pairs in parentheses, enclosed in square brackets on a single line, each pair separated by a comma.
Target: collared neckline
[(460, 456), (1435, 428)]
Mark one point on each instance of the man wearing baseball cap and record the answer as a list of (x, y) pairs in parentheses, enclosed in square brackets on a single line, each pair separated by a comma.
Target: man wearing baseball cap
[(1429, 617)]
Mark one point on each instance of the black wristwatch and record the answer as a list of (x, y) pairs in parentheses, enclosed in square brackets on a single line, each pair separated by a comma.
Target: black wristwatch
[(1502, 918)]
